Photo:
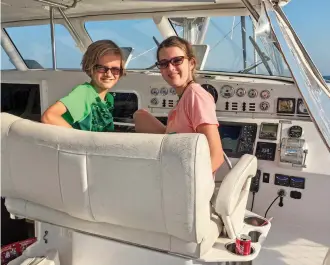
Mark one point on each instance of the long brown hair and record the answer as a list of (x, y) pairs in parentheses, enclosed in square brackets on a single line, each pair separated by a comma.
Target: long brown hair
[(185, 46), (98, 49)]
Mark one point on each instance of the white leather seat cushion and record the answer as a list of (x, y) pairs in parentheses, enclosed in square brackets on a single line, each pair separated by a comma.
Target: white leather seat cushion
[(158, 241)]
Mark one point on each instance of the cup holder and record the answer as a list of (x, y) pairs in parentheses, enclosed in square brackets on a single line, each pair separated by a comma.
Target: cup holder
[(255, 221), (231, 247), (254, 236)]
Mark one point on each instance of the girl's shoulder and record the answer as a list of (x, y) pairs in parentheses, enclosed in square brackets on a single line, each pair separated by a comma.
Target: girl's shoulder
[(195, 89)]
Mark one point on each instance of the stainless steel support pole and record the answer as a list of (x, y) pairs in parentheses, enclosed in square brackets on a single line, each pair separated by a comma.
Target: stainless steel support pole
[(71, 28), (255, 54), (12, 52), (52, 35), (243, 41)]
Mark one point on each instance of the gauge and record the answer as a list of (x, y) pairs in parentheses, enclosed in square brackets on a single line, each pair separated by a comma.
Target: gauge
[(252, 93), (295, 131), (240, 92), (172, 91), (264, 105), (163, 91), (227, 91), (301, 108), (265, 94), (154, 91), (154, 101), (286, 105), (209, 88)]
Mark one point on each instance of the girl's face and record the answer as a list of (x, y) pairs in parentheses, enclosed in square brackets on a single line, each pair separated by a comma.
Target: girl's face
[(107, 71), (175, 67)]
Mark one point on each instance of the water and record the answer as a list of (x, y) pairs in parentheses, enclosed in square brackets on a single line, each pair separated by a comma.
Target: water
[(327, 78)]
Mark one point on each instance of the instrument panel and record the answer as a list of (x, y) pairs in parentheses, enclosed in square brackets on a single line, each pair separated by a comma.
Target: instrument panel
[(244, 95)]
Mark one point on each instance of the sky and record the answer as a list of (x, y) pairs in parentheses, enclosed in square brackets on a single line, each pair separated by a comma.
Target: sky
[(310, 19)]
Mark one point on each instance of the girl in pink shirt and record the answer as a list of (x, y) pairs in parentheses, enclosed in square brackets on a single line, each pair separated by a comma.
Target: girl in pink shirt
[(195, 111)]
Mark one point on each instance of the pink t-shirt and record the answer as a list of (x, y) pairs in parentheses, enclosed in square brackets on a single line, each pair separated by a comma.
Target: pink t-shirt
[(195, 107)]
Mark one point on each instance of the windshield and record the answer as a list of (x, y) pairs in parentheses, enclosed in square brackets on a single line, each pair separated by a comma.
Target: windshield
[(222, 44)]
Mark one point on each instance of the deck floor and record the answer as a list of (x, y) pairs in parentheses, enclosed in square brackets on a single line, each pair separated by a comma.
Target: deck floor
[(295, 245)]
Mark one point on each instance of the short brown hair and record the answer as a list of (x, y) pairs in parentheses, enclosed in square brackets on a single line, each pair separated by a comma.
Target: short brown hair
[(185, 46), (98, 49)]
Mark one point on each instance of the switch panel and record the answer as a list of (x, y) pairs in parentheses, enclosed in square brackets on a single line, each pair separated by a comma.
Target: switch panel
[(255, 182), (298, 183), (282, 180)]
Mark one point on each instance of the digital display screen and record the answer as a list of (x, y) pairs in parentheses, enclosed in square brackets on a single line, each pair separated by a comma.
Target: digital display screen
[(286, 105), (269, 128), (266, 151), (229, 137), (268, 131), (301, 108)]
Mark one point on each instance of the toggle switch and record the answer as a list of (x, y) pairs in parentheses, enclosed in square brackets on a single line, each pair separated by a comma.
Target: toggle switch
[(265, 177)]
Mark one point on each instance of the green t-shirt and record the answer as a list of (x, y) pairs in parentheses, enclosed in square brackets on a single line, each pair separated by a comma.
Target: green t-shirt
[(87, 111)]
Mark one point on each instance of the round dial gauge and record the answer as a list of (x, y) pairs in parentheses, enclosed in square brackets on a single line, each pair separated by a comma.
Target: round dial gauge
[(240, 92), (265, 94), (264, 105), (154, 101), (227, 91), (172, 91), (163, 91), (252, 93), (154, 91), (211, 89), (295, 132)]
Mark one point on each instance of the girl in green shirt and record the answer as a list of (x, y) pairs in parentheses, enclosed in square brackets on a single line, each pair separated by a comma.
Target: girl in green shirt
[(89, 106)]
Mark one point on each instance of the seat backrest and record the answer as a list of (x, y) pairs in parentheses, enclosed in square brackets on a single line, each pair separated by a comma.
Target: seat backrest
[(157, 183)]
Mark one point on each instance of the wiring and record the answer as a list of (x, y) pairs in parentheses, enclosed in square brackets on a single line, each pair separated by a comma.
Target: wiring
[(271, 205)]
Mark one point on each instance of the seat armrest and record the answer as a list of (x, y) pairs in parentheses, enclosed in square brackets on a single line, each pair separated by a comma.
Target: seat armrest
[(327, 258), (230, 202)]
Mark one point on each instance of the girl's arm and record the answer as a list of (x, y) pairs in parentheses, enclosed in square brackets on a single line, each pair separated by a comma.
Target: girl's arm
[(147, 123), (53, 115), (213, 137)]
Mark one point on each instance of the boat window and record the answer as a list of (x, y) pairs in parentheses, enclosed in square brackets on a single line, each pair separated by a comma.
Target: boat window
[(36, 50), (137, 33), (6, 64), (224, 35), (21, 100)]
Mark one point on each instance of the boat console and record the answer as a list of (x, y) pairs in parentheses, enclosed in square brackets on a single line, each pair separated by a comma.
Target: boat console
[(139, 199)]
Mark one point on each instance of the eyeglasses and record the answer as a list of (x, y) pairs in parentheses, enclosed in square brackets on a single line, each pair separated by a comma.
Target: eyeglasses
[(103, 69), (175, 61)]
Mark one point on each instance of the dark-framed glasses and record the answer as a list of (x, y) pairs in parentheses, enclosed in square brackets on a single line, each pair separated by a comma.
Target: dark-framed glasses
[(174, 61), (103, 69)]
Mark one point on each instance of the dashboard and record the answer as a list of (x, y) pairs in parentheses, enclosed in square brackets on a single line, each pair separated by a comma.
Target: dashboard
[(262, 97)]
